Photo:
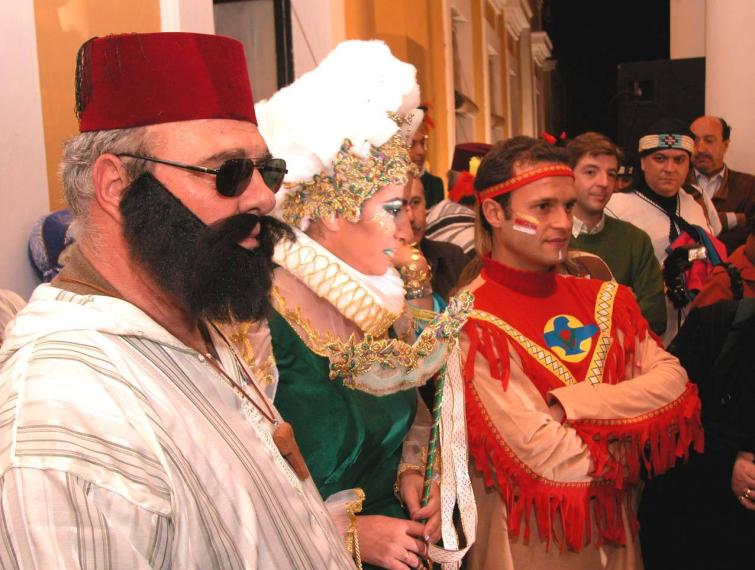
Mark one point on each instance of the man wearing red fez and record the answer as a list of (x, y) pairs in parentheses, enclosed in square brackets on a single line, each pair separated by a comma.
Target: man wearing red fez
[(452, 220), (464, 165), (568, 393), (132, 436)]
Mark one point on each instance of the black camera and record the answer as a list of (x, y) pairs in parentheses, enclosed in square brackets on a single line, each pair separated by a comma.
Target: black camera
[(674, 268)]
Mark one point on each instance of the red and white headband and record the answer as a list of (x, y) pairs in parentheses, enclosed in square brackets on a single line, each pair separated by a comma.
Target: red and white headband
[(544, 171)]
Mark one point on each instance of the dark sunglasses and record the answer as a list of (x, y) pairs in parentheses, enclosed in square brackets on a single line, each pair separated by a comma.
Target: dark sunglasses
[(232, 177)]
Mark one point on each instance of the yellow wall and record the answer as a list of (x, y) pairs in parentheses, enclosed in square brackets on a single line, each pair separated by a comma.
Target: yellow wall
[(500, 28), (480, 61), (62, 26), (414, 32)]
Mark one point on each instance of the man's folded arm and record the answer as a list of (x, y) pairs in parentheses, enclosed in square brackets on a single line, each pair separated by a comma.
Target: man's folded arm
[(658, 381), (523, 424)]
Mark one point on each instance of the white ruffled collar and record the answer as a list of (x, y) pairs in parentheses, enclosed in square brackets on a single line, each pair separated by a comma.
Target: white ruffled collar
[(372, 302)]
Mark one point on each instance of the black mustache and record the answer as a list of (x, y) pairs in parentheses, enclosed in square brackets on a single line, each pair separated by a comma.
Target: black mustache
[(201, 265), (220, 241), (233, 229)]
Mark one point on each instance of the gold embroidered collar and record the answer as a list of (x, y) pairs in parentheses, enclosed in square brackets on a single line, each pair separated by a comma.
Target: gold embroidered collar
[(373, 303)]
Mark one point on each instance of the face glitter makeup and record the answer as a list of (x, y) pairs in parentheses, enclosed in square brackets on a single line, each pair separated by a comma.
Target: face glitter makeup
[(385, 221)]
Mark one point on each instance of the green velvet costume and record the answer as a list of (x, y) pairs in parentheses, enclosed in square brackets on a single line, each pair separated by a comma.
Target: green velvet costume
[(348, 438), (628, 252)]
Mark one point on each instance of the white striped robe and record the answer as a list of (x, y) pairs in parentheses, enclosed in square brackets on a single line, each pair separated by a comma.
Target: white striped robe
[(122, 448)]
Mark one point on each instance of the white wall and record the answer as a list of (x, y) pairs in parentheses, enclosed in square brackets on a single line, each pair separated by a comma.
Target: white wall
[(316, 28), (23, 190), (730, 75), (187, 16), (687, 28)]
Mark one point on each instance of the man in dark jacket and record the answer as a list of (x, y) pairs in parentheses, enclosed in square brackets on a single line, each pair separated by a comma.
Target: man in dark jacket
[(446, 259), (701, 515), (732, 192), (432, 185)]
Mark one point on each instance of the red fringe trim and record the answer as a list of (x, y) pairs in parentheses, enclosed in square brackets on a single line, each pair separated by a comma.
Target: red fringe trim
[(493, 343), (493, 346), (564, 512), (657, 439)]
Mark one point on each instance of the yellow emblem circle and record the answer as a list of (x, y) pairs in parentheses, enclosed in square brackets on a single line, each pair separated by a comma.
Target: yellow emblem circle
[(568, 338)]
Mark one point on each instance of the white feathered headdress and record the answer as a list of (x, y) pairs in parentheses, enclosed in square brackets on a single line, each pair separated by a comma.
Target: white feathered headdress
[(339, 129)]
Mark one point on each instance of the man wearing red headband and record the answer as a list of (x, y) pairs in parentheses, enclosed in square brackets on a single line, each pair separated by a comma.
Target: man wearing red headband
[(132, 435), (568, 393)]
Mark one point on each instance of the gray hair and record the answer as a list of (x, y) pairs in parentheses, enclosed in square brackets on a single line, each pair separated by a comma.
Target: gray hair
[(81, 152)]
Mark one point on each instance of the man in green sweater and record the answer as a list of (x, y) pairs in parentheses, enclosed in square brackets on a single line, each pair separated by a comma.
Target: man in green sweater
[(624, 247)]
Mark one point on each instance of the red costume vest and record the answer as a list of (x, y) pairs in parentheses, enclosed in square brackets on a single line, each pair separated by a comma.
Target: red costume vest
[(567, 330)]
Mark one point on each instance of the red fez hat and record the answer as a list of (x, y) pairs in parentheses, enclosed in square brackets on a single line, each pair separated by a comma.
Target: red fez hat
[(132, 80), (466, 151), (463, 187)]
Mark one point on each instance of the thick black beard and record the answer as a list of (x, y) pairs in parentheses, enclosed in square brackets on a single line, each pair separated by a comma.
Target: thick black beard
[(203, 266)]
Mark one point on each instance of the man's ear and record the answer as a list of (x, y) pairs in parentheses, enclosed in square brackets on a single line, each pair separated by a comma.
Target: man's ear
[(493, 213), (110, 181)]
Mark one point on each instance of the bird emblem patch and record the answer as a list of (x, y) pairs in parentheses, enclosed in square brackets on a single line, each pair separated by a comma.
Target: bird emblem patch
[(568, 338)]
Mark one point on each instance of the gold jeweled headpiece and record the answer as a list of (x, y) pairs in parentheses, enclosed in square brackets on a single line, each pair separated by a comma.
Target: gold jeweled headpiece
[(340, 128), (354, 180)]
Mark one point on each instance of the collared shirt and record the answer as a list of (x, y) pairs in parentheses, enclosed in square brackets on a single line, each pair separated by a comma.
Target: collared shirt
[(578, 227), (710, 186)]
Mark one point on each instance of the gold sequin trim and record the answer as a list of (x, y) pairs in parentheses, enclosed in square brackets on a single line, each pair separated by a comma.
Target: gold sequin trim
[(316, 342), (262, 371), (603, 315), (353, 357), (350, 359), (352, 534), (354, 180)]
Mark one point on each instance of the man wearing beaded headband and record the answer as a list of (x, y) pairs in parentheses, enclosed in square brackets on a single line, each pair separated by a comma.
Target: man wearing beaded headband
[(340, 337), (139, 437), (565, 385), (657, 202)]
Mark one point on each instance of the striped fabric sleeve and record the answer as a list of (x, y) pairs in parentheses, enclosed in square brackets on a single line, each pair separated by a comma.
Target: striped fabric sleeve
[(53, 519)]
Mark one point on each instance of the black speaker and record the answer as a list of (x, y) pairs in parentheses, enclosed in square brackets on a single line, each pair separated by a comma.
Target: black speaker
[(650, 90)]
